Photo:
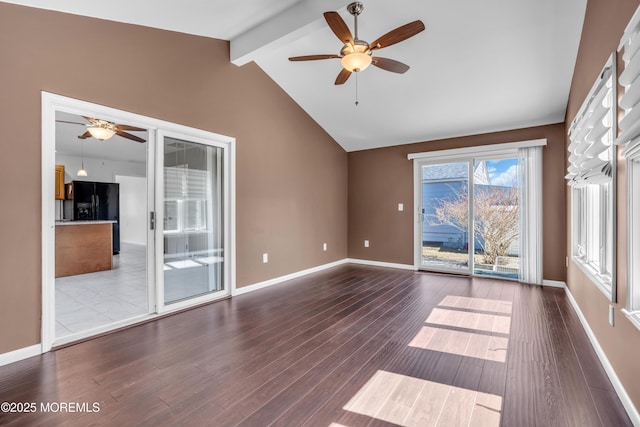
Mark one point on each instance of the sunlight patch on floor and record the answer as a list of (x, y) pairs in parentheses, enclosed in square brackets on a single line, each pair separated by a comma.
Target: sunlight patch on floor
[(479, 304), (468, 344), (469, 320), (409, 401)]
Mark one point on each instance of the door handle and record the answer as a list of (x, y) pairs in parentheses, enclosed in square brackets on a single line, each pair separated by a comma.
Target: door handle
[(152, 220)]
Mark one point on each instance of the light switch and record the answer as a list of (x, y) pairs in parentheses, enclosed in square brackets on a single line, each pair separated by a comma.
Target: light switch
[(400, 207), (265, 258), (366, 243)]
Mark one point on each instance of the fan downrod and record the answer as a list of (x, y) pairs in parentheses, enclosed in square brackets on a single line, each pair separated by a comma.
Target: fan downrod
[(355, 8)]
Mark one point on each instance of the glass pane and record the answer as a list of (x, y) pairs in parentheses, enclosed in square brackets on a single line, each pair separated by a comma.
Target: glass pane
[(193, 227), (496, 218), (445, 216)]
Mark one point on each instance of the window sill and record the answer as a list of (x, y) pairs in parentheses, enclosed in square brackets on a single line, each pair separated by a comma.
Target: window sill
[(597, 280), (633, 316)]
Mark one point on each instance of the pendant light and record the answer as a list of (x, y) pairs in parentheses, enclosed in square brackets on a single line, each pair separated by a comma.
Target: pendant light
[(82, 171)]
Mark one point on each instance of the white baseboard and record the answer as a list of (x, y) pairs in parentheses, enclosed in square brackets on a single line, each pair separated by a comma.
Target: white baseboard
[(276, 280), (554, 284), (381, 264), (611, 373), (19, 354)]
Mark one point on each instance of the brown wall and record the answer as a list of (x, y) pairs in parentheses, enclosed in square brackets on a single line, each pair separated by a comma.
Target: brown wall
[(380, 179), (291, 175), (604, 24)]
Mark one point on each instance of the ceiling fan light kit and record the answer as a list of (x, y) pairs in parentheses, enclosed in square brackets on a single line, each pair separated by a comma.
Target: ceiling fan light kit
[(103, 130), (355, 57), (356, 54), (101, 133)]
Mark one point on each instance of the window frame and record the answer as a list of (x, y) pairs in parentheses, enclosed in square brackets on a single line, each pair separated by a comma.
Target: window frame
[(593, 248), (632, 310), (629, 138)]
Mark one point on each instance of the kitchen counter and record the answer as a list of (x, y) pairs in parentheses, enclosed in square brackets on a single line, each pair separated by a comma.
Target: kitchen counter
[(81, 222), (84, 248)]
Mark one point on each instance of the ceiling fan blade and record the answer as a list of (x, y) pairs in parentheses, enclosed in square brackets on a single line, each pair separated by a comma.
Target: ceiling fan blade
[(398, 35), (312, 57), (73, 123), (129, 136), (343, 76), (127, 127), (338, 26), (85, 135), (91, 120), (390, 65)]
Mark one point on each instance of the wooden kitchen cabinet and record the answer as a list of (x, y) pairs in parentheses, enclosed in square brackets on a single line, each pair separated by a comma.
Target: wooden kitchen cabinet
[(59, 182), (83, 247)]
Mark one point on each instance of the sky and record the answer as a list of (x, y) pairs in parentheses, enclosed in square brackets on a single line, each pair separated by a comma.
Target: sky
[(503, 172)]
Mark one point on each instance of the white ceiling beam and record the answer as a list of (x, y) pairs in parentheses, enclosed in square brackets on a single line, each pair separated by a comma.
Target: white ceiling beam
[(294, 22)]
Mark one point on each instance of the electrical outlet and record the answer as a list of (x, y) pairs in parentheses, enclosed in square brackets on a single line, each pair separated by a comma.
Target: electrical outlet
[(400, 207), (324, 246), (265, 258), (611, 313), (366, 243)]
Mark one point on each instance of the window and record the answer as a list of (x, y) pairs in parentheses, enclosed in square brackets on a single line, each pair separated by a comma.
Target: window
[(633, 170), (185, 206), (593, 232), (591, 174), (630, 135)]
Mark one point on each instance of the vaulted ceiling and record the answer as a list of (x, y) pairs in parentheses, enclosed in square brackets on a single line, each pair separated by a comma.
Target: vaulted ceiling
[(478, 67)]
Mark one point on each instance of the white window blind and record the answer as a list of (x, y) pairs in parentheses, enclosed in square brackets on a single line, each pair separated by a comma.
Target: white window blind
[(591, 173), (591, 151), (185, 198), (630, 124)]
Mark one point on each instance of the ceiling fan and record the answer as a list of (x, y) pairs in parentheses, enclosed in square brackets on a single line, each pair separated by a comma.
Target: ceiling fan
[(103, 129), (356, 55)]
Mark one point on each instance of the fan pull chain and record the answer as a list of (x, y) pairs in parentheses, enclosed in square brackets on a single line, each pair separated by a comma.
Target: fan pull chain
[(356, 89)]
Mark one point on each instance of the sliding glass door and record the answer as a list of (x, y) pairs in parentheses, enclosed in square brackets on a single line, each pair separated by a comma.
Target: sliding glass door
[(193, 220), (470, 216), (445, 217), (496, 217)]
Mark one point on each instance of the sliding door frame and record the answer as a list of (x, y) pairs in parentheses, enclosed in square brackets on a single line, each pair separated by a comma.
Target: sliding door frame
[(467, 154), (52, 103), (210, 140)]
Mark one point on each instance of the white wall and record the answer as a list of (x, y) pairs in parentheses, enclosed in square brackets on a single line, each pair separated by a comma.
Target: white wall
[(133, 209), (98, 170)]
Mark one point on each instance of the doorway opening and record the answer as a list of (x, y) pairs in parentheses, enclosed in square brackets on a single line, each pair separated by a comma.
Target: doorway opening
[(100, 227), (131, 227)]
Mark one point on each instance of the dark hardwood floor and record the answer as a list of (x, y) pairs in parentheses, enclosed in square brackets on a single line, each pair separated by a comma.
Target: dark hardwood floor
[(350, 346)]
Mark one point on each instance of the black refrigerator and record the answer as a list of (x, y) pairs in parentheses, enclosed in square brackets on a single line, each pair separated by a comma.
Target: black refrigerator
[(93, 201)]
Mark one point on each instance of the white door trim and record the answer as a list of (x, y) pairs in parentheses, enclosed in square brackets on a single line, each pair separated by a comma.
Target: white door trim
[(52, 103)]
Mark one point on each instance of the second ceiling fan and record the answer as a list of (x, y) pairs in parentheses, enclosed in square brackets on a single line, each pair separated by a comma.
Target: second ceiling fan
[(356, 55), (103, 129)]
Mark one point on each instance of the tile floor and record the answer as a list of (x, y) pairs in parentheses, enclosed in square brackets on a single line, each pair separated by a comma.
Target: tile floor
[(87, 301)]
